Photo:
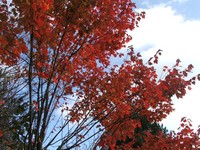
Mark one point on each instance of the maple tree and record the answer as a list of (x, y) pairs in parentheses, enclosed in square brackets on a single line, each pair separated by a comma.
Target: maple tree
[(151, 97), (62, 49)]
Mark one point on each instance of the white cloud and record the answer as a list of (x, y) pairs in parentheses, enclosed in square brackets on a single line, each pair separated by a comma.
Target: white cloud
[(163, 28)]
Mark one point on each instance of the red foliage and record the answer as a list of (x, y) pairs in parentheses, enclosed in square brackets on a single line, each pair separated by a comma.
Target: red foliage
[(64, 48), (148, 96), (186, 138)]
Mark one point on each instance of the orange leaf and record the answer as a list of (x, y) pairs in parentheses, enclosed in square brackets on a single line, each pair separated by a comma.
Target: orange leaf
[(39, 64), (55, 80)]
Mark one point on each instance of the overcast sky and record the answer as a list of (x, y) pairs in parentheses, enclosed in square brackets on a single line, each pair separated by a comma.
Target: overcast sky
[(174, 27)]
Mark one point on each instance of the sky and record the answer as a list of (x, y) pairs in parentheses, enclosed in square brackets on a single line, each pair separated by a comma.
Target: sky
[(174, 27)]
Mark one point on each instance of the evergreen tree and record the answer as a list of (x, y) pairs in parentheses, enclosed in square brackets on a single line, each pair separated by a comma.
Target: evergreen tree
[(12, 110)]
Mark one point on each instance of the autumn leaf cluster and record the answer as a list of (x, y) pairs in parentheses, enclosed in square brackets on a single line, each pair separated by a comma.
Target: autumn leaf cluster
[(62, 49)]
